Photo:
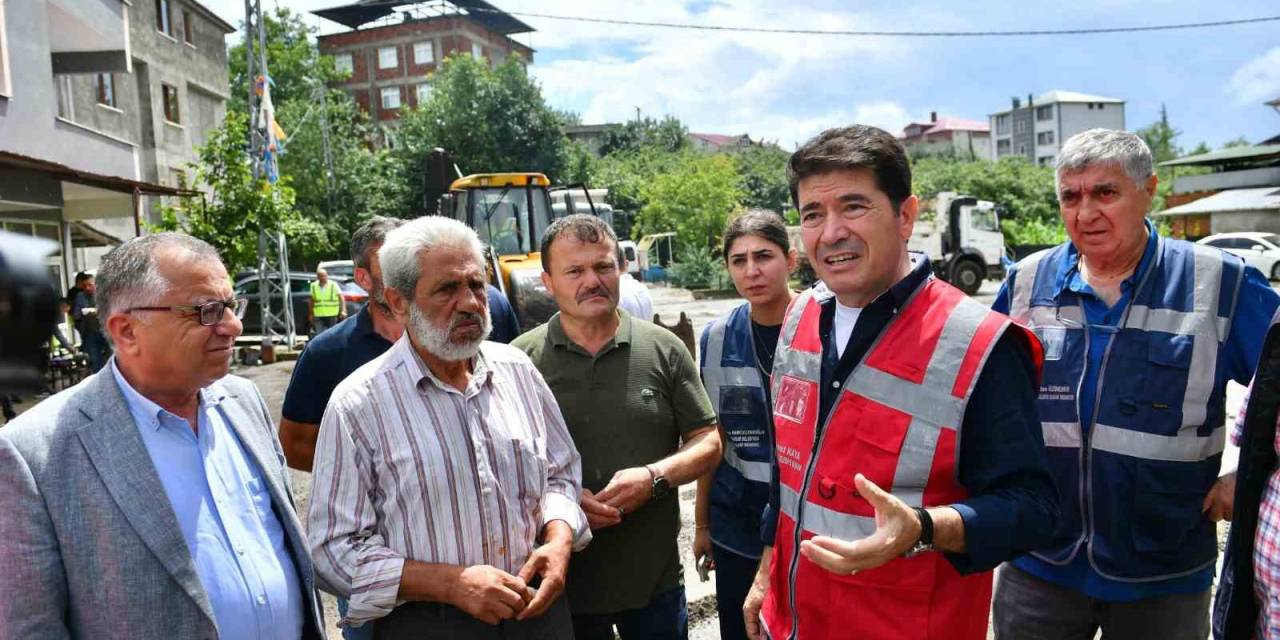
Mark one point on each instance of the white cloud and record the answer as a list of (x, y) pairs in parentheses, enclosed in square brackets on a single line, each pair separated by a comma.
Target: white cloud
[(772, 86), (1257, 80)]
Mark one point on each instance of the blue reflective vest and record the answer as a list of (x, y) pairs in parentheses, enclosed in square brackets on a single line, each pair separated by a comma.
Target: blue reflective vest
[(740, 490), (1138, 469)]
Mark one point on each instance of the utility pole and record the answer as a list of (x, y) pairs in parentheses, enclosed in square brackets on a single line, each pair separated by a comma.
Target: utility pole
[(273, 266)]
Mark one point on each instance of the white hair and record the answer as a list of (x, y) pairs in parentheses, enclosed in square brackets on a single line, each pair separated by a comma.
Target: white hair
[(399, 253), (1106, 146)]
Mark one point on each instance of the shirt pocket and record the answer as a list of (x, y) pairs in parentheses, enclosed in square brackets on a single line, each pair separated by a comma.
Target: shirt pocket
[(529, 467), (260, 495)]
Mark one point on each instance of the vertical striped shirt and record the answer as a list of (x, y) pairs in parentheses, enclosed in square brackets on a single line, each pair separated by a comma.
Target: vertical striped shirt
[(408, 467)]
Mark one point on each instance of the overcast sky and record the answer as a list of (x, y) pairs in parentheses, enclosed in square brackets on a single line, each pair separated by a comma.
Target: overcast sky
[(788, 87)]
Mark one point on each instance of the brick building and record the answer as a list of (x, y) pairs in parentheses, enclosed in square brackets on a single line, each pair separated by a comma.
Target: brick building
[(392, 46)]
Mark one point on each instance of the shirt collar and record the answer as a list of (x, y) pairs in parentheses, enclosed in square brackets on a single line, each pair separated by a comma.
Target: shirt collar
[(1069, 270), (145, 411), (423, 378), (555, 331)]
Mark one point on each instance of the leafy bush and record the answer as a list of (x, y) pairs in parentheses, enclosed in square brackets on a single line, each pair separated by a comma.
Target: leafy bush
[(699, 268)]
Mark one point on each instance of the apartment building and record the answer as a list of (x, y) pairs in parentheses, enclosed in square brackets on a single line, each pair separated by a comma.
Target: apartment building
[(1037, 129), (102, 103), (390, 47), (952, 137)]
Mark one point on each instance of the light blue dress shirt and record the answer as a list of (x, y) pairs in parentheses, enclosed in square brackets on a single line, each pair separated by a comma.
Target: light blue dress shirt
[(225, 511)]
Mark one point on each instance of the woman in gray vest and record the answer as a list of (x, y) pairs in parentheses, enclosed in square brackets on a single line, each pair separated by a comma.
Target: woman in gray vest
[(736, 361)]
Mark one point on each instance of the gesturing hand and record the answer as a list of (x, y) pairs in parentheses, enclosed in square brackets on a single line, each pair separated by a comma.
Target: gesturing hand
[(897, 530), (628, 490), (489, 594), (599, 514)]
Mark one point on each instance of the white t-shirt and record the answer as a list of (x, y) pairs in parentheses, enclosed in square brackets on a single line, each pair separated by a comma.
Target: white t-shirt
[(633, 296), (845, 318)]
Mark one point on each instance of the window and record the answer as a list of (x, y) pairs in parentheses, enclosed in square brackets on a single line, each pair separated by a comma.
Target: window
[(188, 28), (178, 177), (984, 220), (66, 108), (171, 111), (424, 92), (1022, 149), (1101, 106), (1045, 161), (343, 62), (1044, 113), (5, 89), (163, 22), (1002, 124), (391, 97), (106, 89), (424, 53), (1020, 126), (387, 58), (1044, 137), (1002, 147), (477, 51)]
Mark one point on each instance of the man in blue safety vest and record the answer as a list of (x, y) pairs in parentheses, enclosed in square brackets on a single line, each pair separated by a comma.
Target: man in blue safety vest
[(1141, 334)]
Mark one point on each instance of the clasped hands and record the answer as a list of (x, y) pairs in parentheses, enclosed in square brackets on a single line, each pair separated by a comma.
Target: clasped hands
[(627, 491)]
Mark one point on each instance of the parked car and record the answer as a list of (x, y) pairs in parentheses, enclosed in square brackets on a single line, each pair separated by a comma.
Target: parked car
[(1259, 250), (338, 268), (353, 296)]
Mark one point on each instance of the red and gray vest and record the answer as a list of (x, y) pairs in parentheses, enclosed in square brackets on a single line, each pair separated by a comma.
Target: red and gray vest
[(897, 421)]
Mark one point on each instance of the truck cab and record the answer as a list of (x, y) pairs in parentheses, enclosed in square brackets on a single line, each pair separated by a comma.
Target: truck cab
[(962, 237), (510, 212)]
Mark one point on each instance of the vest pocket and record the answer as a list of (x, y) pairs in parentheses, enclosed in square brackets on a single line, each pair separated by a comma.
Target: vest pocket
[(1167, 500), (1165, 381)]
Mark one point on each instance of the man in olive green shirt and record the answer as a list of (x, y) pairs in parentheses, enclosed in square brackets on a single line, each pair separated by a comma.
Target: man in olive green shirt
[(640, 417)]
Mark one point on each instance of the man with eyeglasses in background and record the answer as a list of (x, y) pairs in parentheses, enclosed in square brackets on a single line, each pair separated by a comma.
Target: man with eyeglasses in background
[(152, 501)]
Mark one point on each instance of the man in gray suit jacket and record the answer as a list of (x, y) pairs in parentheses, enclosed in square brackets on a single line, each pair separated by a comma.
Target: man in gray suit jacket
[(152, 499)]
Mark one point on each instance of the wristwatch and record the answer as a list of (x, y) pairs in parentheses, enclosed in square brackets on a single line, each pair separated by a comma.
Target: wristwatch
[(925, 543), (660, 485)]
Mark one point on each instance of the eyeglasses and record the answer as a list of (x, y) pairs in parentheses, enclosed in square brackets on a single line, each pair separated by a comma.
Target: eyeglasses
[(209, 313)]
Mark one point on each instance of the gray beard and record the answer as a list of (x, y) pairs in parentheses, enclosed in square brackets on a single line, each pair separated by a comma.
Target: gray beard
[(435, 340)]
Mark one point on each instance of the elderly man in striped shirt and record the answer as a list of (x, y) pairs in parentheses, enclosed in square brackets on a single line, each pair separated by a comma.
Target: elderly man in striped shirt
[(445, 495)]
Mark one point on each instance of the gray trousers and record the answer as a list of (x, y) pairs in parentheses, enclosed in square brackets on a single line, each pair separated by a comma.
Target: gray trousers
[(1028, 608), (433, 621)]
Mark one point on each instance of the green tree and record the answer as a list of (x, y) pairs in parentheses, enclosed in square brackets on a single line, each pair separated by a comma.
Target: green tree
[(764, 177), (695, 200), (667, 134), (1236, 142), (1025, 191), (1162, 138), (293, 60), (348, 187), (490, 119), (230, 218)]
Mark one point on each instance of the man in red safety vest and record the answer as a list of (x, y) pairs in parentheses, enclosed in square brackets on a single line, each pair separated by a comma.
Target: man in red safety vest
[(909, 454)]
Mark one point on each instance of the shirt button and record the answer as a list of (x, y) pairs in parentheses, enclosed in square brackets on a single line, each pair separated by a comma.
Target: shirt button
[(262, 600), (240, 550), (835, 385)]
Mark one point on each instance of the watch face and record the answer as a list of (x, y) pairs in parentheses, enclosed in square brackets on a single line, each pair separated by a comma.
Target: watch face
[(660, 487)]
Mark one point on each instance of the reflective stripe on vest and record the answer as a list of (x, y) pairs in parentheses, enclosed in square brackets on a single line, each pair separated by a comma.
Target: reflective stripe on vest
[(1207, 329), (901, 409), (1156, 429), (325, 300), (716, 375)]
